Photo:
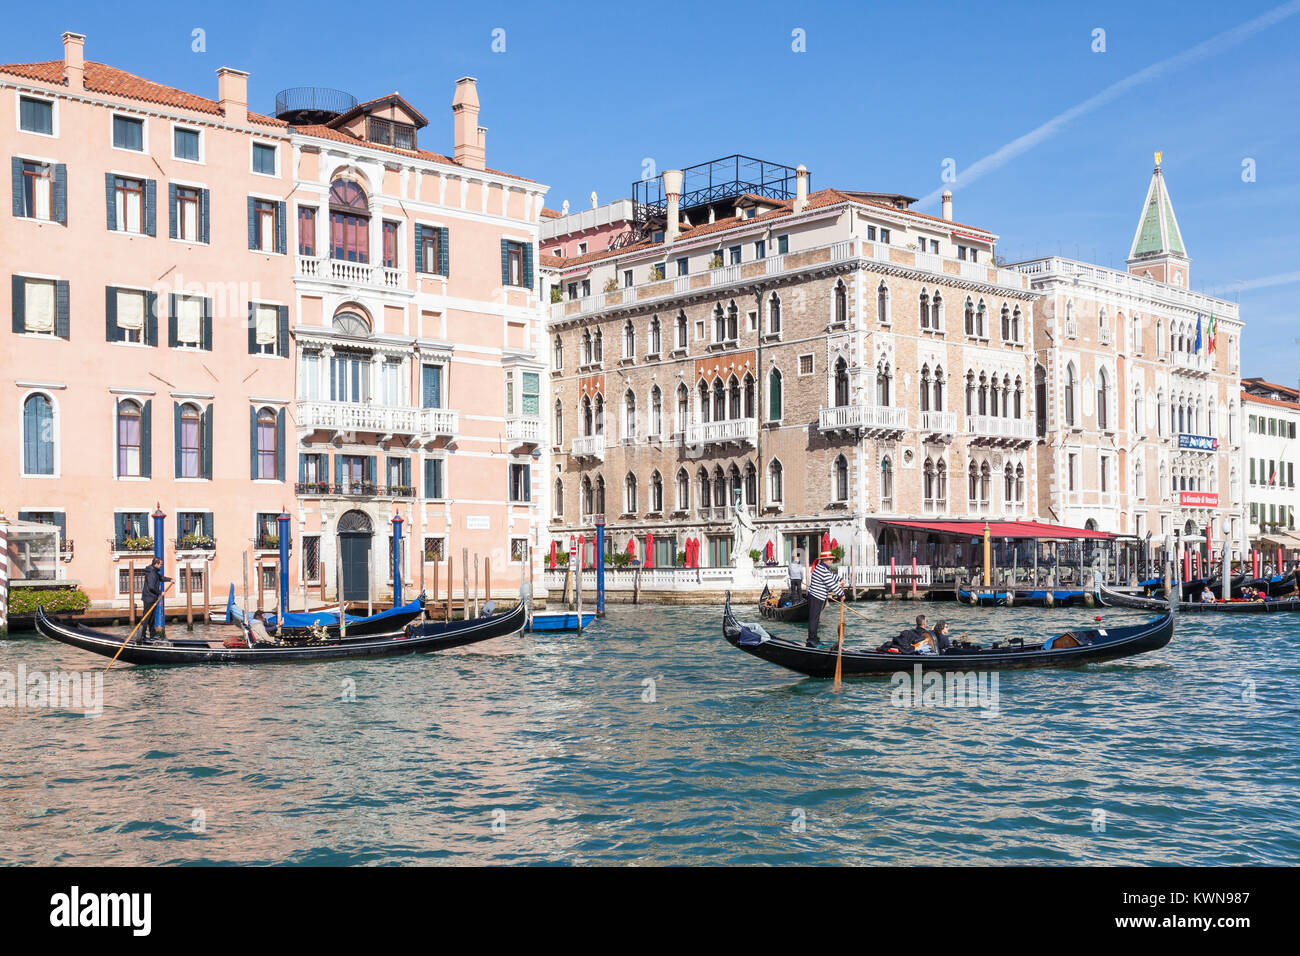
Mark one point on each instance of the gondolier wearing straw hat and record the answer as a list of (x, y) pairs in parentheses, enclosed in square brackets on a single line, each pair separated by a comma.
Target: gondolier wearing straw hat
[(823, 583)]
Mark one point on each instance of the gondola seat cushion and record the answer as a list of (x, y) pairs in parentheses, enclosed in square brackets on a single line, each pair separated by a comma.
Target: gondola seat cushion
[(751, 634)]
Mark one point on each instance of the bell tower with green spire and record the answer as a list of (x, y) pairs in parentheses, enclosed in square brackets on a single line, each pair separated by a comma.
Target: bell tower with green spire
[(1158, 251)]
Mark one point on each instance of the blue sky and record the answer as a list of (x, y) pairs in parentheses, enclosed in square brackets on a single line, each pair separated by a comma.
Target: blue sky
[(882, 95)]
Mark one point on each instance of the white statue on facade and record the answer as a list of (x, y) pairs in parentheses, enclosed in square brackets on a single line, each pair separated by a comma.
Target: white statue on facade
[(742, 535)]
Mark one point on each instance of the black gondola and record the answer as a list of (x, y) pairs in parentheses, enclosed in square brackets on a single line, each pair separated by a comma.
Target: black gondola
[(430, 636), (775, 610), (1112, 598), (311, 625), (1063, 650)]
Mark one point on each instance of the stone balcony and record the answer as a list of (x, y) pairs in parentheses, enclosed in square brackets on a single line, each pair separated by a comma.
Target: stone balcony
[(941, 425), (993, 429), (524, 430), (738, 431), (588, 446), (383, 420), (871, 419), (350, 273)]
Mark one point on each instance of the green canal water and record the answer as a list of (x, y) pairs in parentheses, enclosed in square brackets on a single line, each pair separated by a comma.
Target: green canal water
[(650, 740)]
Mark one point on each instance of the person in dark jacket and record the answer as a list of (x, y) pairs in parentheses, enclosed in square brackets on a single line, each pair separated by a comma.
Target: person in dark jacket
[(154, 580)]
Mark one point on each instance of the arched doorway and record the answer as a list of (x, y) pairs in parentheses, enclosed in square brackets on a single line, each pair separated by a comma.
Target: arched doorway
[(354, 532)]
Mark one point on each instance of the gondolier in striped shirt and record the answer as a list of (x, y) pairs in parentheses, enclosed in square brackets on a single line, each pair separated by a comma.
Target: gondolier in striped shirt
[(823, 583)]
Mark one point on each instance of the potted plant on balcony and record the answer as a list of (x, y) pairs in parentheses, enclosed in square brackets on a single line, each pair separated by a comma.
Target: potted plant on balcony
[(755, 555), (561, 559), (611, 284), (137, 544), (195, 541), (556, 295), (715, 261), (657, 272), (681, 559), (269, 542)]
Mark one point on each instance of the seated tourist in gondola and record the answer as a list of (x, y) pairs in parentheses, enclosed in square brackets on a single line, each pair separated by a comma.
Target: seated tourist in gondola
[(257, 627), (1207, 596)]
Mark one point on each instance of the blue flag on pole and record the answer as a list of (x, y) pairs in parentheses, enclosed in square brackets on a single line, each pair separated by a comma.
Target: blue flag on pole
[(1198, 333)]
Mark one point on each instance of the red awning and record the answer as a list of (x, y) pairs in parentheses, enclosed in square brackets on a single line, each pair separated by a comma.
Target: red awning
[(1002, 529)]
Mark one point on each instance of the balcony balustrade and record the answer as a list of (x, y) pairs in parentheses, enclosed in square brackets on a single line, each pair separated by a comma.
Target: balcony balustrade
[(380, 419), (867, 418), (589, 446), (524, 430), (724, 431), (942, 424), (352, 489), (998, 430), (351, 273)]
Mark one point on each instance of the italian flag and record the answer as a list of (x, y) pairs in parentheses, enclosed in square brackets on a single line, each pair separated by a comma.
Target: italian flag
[(1210, 331)]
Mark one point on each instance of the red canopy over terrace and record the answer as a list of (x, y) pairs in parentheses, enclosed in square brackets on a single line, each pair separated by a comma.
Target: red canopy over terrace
[(1003, 529)]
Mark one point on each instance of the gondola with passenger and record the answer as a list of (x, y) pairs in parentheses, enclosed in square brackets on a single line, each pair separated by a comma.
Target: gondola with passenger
[(1263, 605), (1069, 649), (781, 607), (321, 644)]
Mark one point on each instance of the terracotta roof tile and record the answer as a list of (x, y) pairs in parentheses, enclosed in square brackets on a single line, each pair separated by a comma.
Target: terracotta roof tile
[(1265, 400), (326, 132), (100, 78), (551, 214), (820, 199)]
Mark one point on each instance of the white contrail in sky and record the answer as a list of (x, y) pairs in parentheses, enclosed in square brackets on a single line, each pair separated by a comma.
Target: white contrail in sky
[(1216, 44), (1267, 282)]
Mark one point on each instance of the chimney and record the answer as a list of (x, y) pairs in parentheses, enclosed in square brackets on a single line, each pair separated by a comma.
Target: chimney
[(673, 190), (232, 94), (468, 138), (800, 188), (947, 205), (74, 60)]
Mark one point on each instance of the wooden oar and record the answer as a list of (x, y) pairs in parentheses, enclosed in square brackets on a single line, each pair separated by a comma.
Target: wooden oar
[(138, 626), (839, 648)]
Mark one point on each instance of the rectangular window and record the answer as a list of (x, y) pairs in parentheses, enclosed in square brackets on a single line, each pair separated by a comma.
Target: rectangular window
[(266, 330), (520, 479), (264, 159), (961, 252), (760, 249), (434, 486), (189, 321), (128, 133), (627, 280), (426, 249), (431, 386), (394, 379), (1073, 468), (782, 244), (185, 144), (311, 557), (515, 263), (129, 204), (350, 377), (586, 288), (390, 245), (805, 364), (734, 255), (187, 213), (128, 440), (266, 531), (530, 397), (1105, 473), (264, 225), (399, 477), (871, 233), (36, 116), (131, 526), (130, 307), (39, 306), (884, 236), (683, 266), (434, 549), (37, 195), (306, 231)]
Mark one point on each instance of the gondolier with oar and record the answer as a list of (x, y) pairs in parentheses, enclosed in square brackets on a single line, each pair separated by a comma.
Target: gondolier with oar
[(823, 583), (150, 592)]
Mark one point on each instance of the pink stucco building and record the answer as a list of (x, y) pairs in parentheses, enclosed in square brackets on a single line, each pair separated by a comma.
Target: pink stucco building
[(226, 315)]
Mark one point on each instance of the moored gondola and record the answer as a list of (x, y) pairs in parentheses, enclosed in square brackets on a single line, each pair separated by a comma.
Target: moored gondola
[(409, 639), (1111, 598), (781, 608), (1069, 649), (312, 623)]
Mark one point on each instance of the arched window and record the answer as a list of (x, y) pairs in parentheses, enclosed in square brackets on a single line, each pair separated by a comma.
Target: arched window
[(733, 321), (774, 314), (600, 494), (558, 437), (735, 490), (1020, 484), (1006, 323), (882, 304), (681, 330), (981, 320), (841, 478), (973, 483), (774, 405), (349, 222), (968, 313), (775, 489), (656, 411), (923, 309), (970, 392), (657, 493), (985, 485), (599, 415), (130, 442), (925, 388), (841, 383), (683, 490), (588, 502), (587, 418), (936, 311), (735, 407), (938, 388), (1139, 481), (189, 433), (719, 401), (841, 314), (683, 407), (883, 376), (558, 504), (941, 485), (598, 346), (927, 484), (267, 447), (719, 488), (559, 353), (586, 348), (719, 324), (655, 337), (629, 339), (351, 323), (886, 484), (751, 485), (1008, 484), (706, 495), (629, 416), (1071, 382), (1015, 324), (1103, 400)]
